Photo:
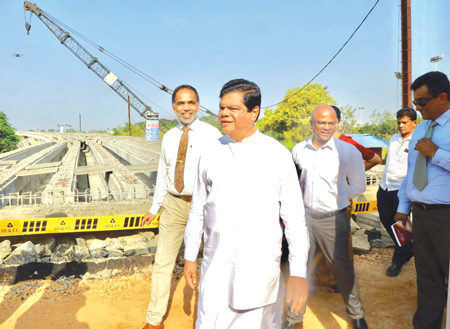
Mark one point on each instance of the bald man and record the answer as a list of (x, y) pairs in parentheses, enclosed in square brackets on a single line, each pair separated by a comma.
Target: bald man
[(325, 164)]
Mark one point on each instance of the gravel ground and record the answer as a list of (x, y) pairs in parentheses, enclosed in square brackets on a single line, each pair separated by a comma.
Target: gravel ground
[(111, 300)]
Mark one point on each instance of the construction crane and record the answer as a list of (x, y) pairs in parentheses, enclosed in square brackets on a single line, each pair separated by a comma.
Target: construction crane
[(87, 58)]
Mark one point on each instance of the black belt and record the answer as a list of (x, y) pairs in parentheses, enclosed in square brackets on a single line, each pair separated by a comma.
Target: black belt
[(425, 206), (321, 215), (184, 198)]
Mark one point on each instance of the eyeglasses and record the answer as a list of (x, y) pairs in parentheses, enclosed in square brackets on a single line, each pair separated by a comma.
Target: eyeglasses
[(422, 101)]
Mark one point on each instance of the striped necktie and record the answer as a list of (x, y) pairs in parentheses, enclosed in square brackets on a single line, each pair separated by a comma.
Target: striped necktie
[(181, 160), (420, 179)]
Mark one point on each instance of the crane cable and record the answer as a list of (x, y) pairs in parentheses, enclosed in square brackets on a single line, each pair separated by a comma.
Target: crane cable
[(351, 36), (122, 62)]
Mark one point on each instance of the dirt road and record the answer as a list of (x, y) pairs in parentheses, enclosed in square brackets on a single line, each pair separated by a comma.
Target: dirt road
[(121, 302)]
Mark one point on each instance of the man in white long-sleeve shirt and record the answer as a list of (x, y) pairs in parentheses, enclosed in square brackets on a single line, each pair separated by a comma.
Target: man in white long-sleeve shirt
[(331, 173), (180, 152), (244, 185)]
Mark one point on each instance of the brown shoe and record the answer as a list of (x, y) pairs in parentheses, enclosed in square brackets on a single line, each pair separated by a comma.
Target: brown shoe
[(149, 326)]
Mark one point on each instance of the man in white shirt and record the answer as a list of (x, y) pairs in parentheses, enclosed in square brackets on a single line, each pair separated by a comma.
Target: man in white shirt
[(393, 174), (181, 149), (244, 185), (331, 172)]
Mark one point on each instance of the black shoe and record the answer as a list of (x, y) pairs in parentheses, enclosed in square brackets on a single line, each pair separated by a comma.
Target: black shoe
[(394, 270), (360, 324), (289, 325)]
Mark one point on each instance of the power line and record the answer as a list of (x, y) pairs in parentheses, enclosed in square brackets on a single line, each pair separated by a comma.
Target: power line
[(351, 36), (123, 63)]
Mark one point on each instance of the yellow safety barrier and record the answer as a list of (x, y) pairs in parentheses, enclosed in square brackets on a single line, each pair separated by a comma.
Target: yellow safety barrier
[(360, 207), (72, 224)]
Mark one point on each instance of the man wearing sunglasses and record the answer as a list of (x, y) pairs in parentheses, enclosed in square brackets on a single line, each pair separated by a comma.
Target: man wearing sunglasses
[(426, 188), (393, 174)]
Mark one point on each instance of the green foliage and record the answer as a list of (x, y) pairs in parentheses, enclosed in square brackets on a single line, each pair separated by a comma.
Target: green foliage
[(138, 129), (348, 121), (8, 139), (290, 120), (213, 121), (383, 125)]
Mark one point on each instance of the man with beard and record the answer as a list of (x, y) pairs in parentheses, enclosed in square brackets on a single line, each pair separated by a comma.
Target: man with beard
[(245, 183), (181, 149)]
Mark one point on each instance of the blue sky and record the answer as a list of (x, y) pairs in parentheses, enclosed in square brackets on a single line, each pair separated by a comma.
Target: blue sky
[(277, 44)]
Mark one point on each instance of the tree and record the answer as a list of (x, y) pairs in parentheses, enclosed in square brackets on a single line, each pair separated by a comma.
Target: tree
[(383, 124), (213, 121), (8, 139), (290, 120), (348, 121)]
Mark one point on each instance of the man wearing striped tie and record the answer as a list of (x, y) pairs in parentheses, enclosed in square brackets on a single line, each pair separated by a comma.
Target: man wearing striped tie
[(181, 149), (426, 188)]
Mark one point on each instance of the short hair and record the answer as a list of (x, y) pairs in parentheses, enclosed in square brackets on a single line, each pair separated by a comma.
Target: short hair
[(407, 112), (252, 96), (437, 83), (338, 112), (174, 95)]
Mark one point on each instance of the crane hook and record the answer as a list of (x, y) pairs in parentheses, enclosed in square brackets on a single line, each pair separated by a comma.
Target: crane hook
[(28, 27)]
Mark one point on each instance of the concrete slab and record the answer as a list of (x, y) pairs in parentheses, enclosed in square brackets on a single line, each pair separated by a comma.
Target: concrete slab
[(149, 167), (93, 169), (44, 165), (35, 172)]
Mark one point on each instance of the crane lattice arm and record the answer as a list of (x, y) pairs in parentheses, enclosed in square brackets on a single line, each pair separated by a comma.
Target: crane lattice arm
[(91, 62)]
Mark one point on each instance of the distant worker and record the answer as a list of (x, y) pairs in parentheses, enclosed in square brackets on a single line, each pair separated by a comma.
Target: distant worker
[(371, 159), (393, 174), (180, 152), (245, 183), (426, 188), (331, 173)]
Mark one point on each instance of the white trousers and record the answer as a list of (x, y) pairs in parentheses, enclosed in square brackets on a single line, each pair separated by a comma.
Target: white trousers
[(217, 314)]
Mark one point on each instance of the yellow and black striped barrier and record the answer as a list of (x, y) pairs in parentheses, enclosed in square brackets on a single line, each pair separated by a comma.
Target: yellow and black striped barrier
[(360, 207), (14, 227), (72, 224)]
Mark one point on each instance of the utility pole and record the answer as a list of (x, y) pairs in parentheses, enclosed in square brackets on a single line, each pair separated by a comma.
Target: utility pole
[(129, 117), (80, 122), (406, 53)]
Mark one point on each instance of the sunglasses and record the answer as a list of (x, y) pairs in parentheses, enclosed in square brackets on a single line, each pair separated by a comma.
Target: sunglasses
[(422, 101)]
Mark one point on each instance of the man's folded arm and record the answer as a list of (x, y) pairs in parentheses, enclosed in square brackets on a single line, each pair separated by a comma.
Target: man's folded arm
[(442, 159)]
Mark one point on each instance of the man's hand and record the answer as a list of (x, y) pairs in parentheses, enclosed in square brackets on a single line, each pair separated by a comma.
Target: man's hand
[(401, 217), (426, 147), (297, 292), (190, 273), (148, 218)]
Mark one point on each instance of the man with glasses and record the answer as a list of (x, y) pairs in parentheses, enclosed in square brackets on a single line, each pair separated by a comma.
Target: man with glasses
[(324, 164), (426, 188), (393, 174)]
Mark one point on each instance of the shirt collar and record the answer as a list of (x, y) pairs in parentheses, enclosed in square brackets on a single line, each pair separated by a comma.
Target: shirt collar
[(192, 125), (400, 140), (330, 144), (442, 120), (248, 140)]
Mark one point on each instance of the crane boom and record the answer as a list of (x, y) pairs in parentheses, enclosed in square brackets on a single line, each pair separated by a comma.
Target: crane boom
[(91, 62)]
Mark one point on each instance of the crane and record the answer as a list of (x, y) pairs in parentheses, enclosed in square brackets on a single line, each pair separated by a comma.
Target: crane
[(91, 62)]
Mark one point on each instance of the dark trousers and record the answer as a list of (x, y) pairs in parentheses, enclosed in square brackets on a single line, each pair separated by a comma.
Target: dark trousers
[(387, 203), (431, 234), (330, 235)]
